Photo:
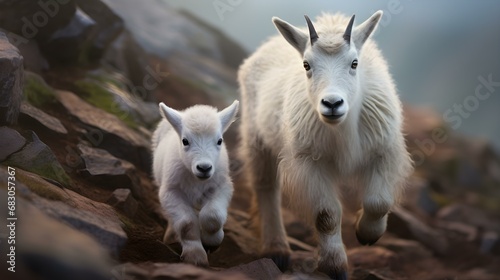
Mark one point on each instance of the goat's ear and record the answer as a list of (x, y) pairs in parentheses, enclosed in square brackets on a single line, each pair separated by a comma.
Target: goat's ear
[(228, 115), (364, 30), (296, 37), (172, 116)]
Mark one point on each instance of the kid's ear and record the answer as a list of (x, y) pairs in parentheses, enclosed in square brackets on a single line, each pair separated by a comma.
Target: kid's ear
[(227, 116), (172, 116)]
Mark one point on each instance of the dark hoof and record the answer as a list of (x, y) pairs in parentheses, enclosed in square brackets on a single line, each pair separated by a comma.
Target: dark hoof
[(210, 249), (364, 241), (281, 260)]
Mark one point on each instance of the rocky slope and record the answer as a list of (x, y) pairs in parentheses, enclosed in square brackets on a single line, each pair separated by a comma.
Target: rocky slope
[(77, 107)]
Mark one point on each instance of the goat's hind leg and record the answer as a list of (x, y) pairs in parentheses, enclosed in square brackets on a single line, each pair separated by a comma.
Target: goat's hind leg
[(261, 167)]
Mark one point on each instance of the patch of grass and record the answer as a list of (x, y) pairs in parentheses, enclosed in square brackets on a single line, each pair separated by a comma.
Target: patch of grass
[(36, 91), (107, 78), (100, 97)]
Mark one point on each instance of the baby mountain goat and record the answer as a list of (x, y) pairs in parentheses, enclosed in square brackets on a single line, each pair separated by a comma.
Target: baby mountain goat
[(320, 112), (191, 166)]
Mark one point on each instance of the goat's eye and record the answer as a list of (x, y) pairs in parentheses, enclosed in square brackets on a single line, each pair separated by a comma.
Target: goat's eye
[(307, 66), (354, 64), (219, 142), (185, 142)]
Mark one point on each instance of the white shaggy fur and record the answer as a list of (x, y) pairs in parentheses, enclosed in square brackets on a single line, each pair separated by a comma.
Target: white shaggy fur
[(190, 164), (292, 141)]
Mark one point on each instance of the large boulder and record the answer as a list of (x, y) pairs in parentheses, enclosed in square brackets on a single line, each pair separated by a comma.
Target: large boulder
[(46, 246), (11, 80), (96, 219), (108, 26), (35, 19), (67, 31)]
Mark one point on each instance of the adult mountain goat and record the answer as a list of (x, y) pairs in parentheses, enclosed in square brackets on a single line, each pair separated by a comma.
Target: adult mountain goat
[(320, 112)]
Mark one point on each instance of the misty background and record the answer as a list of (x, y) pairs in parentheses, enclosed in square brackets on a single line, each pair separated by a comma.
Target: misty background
[(437, 50)]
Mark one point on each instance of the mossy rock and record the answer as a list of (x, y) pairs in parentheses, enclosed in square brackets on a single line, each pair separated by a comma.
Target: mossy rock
[(38, 158), (40, 186), (96, 93), (36, 91)]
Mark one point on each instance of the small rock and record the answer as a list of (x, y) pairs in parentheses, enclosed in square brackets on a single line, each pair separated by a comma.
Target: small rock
[(303, 262), (123, 200), (11, 81), (364, 274), (406, 250), (489, 241), (111, 172), (11, 142), (43, 118), (461, 230), (100, 162), (108, 131), (469, 215), (370, 257), (405, 225), (38, 158), (171, 271), (259, 269)]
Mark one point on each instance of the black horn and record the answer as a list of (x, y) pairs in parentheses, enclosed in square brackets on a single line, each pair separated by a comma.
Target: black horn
[(312, 32), (348, 30)]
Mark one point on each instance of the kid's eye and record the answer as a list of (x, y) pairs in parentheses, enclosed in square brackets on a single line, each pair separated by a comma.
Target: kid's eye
[(307, 66), (354, 64), (219, 142), (185, 142)]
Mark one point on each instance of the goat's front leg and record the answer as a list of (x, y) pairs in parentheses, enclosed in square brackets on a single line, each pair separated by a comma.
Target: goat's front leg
[(312, 192), (378, 199), (213, 215), (183, 220)]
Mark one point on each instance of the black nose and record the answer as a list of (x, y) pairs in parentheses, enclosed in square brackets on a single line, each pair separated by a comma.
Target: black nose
[(335, 105), (204, 167)]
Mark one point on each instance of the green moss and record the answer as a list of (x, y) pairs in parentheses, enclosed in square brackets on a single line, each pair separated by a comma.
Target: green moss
[(440, 199), (94, 93), (107, 78), (40, 187), (128, 224), (36, 91)]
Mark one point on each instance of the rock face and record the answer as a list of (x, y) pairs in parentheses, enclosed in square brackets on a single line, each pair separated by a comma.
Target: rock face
[(46, 245), (11, 79)]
